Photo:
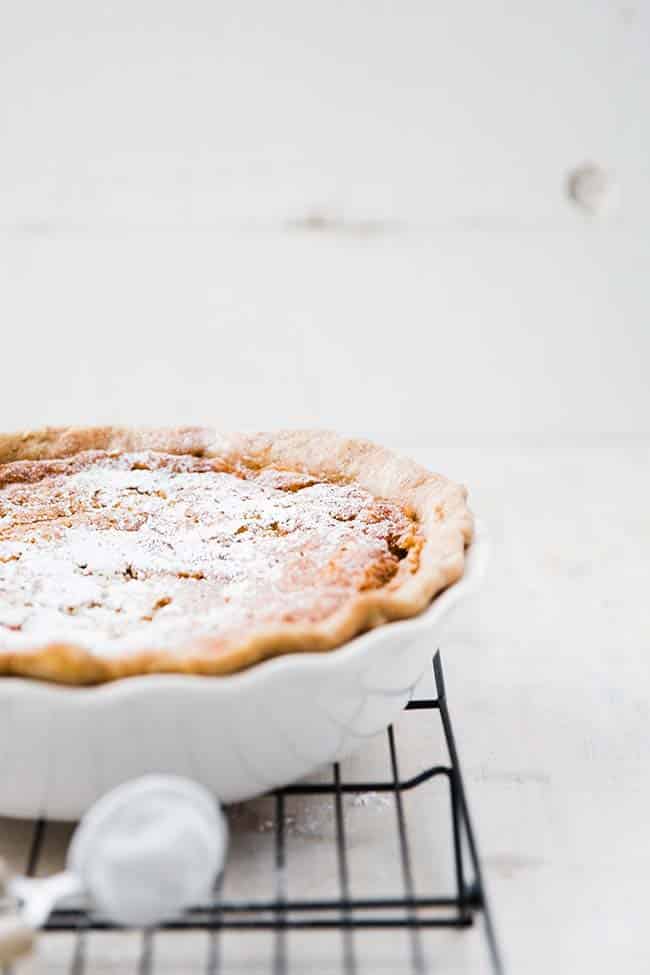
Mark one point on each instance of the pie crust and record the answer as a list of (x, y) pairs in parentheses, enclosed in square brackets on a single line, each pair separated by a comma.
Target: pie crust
[(134, 551)]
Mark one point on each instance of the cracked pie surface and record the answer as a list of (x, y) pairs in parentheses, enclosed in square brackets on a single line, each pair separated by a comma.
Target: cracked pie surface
[(126, 552)]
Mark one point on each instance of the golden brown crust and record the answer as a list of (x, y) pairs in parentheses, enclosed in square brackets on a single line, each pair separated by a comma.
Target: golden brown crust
[(439, 505)]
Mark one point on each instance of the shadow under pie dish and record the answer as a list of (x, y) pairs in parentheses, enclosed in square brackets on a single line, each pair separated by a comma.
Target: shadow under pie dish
[(126, 552)]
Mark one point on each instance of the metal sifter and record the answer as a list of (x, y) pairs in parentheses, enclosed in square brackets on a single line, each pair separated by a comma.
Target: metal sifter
[(142, 854)]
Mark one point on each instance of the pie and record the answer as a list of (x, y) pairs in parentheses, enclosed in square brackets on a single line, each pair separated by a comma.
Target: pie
[(128, 551)]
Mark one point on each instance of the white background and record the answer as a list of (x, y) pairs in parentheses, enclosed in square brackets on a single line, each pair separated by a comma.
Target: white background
[(347, 215), (356, 216)]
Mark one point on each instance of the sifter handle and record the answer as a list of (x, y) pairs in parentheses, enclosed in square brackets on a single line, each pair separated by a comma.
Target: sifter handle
[(16, 938)]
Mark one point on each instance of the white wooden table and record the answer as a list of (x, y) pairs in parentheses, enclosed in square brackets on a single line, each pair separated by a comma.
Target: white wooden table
[(547, 674), (295, 214)]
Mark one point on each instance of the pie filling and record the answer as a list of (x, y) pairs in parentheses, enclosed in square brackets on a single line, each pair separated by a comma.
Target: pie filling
[(118, 551)]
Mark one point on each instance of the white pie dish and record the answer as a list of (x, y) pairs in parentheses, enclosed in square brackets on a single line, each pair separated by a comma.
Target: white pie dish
[(62, 747)]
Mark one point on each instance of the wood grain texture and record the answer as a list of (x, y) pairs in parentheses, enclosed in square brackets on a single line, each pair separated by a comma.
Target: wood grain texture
[(354, 217), (245, 113), (421, 337), (230, 213)]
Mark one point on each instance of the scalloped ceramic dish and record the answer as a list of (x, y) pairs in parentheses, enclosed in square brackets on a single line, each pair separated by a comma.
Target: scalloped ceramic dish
[(62, 747)]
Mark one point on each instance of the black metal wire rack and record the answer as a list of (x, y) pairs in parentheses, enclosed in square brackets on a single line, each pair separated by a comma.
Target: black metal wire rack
[(457, 909)]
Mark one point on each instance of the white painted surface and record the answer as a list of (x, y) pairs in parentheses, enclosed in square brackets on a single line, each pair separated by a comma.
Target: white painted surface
[(357, 217), (354, 216)]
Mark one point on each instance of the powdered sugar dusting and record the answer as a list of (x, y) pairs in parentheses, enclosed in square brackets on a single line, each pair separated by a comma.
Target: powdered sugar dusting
[(120, 552)]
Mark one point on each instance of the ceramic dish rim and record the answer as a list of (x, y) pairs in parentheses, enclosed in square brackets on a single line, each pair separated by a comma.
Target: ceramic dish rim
[(476, 557)]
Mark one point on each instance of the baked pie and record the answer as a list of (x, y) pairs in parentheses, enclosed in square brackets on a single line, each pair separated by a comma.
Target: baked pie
[(127, 552)]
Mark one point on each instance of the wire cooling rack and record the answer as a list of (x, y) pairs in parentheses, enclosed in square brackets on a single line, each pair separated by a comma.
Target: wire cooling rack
[(282, 915)]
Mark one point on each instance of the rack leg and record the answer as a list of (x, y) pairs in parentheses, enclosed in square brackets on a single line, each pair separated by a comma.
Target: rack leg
[(479, 898)]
